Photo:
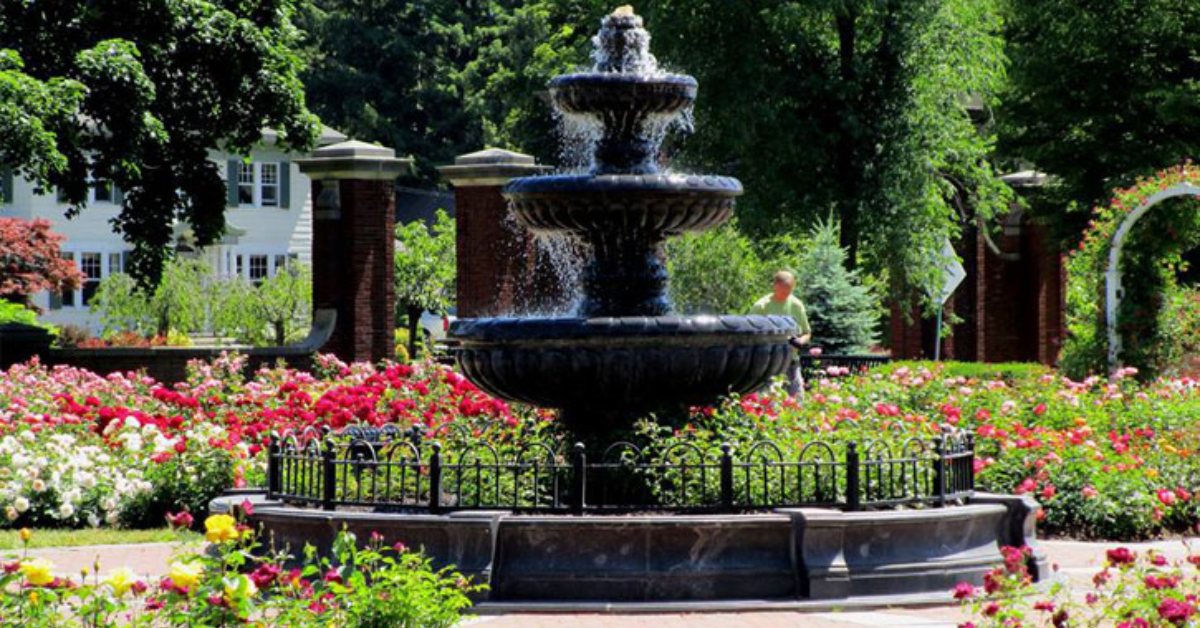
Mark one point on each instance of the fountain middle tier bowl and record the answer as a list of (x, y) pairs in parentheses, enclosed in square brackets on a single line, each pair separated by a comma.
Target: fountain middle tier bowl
[(666, 203), (606, 93), (624, 365)]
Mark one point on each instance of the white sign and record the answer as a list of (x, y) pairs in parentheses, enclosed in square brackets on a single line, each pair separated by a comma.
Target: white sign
[(953, 272)]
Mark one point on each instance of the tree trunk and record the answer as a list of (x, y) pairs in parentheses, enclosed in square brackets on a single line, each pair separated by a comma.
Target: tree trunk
[(414, 317), (845, 166), (280, 332)]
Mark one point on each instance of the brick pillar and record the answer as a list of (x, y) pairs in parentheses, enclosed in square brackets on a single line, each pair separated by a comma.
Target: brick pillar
[(499, 269), (353, 184)]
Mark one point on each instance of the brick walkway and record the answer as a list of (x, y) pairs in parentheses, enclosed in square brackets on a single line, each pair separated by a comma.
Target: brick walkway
[(1077, 561)]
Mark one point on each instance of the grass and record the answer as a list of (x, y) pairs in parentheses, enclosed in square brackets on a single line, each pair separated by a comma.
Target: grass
[(11, 540)]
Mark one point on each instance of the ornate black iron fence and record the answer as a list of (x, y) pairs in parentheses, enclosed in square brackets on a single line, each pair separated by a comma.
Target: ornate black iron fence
[(394, 470)]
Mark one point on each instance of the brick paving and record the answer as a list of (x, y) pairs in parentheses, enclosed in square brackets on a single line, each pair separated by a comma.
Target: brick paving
[(1076, 560)]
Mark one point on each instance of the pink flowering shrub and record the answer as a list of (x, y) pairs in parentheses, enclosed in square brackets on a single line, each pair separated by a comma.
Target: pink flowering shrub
[(1131, 591)]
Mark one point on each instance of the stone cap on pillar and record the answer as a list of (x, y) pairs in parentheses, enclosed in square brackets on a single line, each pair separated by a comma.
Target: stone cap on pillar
[(490, 167), (354, 160)]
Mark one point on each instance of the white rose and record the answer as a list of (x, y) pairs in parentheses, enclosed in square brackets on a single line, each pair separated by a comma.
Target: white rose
[(132, 423), (21, 504), (38, 485), (112, 518), (65, 511), (11, 513)]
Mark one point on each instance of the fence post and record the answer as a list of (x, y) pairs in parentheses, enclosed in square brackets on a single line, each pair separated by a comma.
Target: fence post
[(939, 469), (435, 479), (578, 477), (853, 498), (969, 466), (273, 462), (329, 471), (726, 476)]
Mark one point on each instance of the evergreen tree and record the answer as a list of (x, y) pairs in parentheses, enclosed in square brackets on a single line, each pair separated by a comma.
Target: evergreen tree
[(843, 312)]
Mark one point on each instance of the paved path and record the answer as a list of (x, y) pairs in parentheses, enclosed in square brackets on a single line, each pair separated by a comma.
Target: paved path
[(1076, 561)]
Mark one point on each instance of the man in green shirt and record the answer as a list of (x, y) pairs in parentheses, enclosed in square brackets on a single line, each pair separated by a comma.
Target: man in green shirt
[(782, 302)]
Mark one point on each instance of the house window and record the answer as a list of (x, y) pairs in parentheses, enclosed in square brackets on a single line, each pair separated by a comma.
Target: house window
[(102, 191), (89, 265), (66, 297), (259, 184), (258, 268), (114, 263), (281, 263), (269, 188), (246, 184)]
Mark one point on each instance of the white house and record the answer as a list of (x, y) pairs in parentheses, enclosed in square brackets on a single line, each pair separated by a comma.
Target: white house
[(268, 222)]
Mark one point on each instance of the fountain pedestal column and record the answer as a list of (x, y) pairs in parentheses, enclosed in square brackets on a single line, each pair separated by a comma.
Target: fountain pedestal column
[(498, 262), (354, 212)]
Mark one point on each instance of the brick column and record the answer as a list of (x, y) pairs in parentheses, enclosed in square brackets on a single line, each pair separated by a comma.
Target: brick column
[(353, 184), (498, 262)]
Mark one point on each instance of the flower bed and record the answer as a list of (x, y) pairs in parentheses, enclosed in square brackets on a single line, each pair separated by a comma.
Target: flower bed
[(80, 449), (1106, 460), (1110, 460)]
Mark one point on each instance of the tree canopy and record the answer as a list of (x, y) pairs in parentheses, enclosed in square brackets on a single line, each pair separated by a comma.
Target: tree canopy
[(137, 92)]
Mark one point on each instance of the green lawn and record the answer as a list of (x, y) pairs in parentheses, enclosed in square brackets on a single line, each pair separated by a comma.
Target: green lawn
[(11, 540)]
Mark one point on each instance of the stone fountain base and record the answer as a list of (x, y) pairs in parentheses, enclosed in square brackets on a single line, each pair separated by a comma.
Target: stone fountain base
[(796, 555)]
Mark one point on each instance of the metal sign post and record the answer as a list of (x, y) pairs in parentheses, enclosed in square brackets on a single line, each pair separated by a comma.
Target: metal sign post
[(953, 273)]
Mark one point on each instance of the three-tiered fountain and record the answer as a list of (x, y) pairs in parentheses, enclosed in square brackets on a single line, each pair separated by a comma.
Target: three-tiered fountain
[(625, 353)]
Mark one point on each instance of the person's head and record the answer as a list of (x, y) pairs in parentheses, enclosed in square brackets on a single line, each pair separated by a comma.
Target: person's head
[(783, 284)]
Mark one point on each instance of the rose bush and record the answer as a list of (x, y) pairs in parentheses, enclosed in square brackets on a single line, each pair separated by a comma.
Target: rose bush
[(1130, 591), (77, 448), (1105, 459), (237, 582)]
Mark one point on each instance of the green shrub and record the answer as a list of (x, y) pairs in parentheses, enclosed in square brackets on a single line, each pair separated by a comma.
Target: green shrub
[(715, 272), (17, 313), (1008, 371)]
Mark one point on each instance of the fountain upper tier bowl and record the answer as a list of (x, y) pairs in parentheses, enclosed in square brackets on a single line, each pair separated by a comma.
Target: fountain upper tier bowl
[(666, 203), (625, 93), (621, 365)]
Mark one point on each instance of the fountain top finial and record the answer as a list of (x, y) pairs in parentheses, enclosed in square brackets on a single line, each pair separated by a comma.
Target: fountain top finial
[(625, 10)]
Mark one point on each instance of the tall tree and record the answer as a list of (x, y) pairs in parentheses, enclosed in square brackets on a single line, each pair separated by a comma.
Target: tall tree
[(148, 88), (1100, 92), (389, 71)]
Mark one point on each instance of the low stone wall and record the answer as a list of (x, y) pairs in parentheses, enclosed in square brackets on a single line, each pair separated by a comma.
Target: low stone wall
[(799, 554), (169, 364), (19, 343)]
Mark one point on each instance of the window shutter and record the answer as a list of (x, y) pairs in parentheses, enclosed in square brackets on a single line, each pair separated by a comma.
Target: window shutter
[(118, 195), (285, 185), (6, 185), (231, 181)]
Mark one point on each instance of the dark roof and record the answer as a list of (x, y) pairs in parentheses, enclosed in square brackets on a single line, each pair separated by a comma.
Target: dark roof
[(418, 204)]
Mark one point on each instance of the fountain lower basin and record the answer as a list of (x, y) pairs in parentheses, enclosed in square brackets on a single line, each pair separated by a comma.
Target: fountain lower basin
[(595, 368)]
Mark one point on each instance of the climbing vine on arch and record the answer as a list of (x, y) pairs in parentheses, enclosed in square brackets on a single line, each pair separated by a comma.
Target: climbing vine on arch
[(1158, 319)]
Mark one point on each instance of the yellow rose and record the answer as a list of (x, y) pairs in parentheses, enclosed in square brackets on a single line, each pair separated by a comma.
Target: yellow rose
[(239, 587), (25, 534), (120, 580), (37, 572), (184, 575), (220, 529)]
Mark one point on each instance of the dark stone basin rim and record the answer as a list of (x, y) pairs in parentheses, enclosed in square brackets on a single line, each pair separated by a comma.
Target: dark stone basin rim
[(589, 79), (642, 185), (662, 342)]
